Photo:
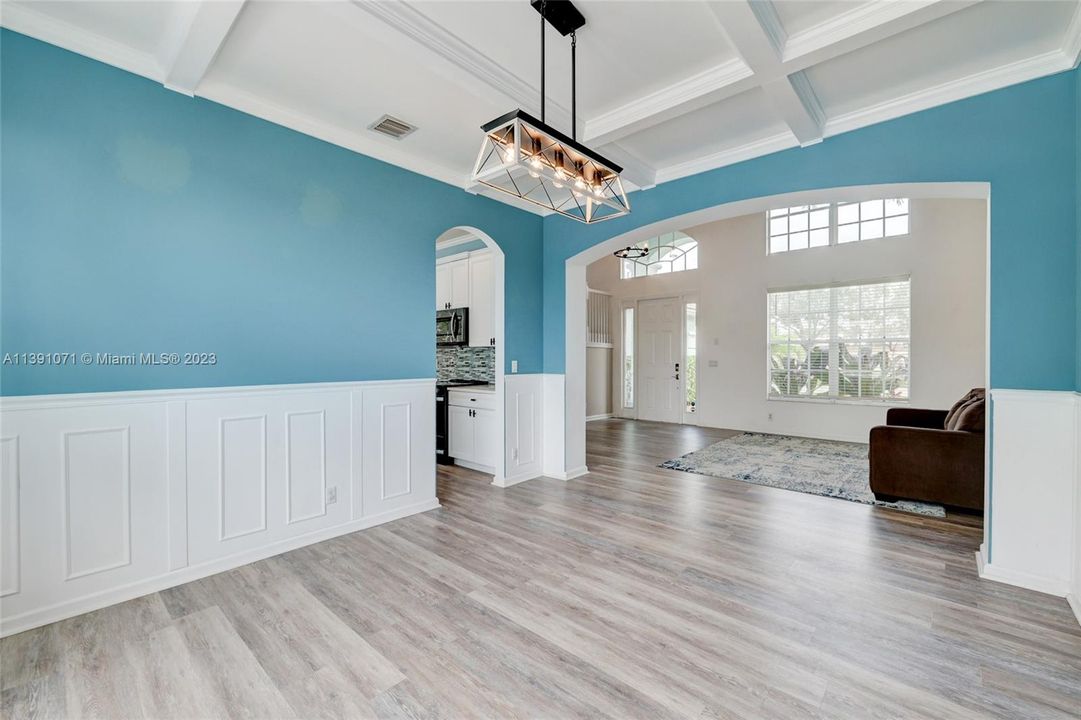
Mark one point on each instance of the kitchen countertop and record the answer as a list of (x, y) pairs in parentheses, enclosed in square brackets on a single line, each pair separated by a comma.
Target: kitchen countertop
[(479, 387)]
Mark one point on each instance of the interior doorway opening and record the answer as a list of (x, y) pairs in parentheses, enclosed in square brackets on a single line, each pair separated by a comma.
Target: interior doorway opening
[(469, 307)]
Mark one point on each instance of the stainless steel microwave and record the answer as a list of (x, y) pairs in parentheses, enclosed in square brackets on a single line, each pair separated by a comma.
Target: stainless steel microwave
[(452, 326)]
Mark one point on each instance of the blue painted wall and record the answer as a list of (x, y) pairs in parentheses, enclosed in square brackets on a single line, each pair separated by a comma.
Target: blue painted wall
[(459, 249), (135, 219), (1020, 139)]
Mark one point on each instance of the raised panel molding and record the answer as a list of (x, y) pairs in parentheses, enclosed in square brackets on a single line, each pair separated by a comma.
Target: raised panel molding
[(1034, 485), (305, 467), (395, 450), (10, 513), (97, 501), (115, 495), (242, 476)]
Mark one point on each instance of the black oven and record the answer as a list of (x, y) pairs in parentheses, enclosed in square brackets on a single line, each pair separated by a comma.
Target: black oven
[(452, 326)]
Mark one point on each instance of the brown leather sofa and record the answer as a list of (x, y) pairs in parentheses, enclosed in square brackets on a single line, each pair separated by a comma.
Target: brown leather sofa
[(933, 456)]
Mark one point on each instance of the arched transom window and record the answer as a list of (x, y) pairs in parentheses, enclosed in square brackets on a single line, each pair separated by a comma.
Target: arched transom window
[(668, 253)]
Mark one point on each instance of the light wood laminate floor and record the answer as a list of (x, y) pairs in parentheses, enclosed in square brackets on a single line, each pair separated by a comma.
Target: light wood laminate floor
[(632, 592)]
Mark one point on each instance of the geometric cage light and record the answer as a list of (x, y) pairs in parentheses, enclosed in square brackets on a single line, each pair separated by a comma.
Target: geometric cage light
[(524, 157), (529, 159)]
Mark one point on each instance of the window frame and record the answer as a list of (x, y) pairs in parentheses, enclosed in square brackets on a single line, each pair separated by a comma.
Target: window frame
[(835, 399), (635, 263), (834, 224)]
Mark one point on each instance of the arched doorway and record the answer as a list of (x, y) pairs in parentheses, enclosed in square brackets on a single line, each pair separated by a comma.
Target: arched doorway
[(461, 238)]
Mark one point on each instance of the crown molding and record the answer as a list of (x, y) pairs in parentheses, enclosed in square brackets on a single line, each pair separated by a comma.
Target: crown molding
[(862, 25), (1048, 63), (198, 33), (1071, 42), (697, 91), (729, 156), (27, 21), (766, 14)]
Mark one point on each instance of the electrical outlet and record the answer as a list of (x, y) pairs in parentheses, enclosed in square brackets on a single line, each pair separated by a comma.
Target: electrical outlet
[(713, 363), (514, 454), (770, 417), (332, 495), (514, 366)]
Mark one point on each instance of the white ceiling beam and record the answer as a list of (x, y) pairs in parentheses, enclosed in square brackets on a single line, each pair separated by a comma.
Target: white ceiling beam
[(200, 31), (698, 91), (860, 26), (467, 60), (755, 30)]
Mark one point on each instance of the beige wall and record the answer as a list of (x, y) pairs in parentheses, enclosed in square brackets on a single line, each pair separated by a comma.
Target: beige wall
[(598, 381), (944, 253)]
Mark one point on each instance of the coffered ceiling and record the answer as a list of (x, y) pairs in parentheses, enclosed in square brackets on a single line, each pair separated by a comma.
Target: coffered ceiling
[(666, 88)]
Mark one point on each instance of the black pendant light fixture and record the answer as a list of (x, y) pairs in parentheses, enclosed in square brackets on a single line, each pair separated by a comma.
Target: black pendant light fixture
[(523, 156), (631, 252)]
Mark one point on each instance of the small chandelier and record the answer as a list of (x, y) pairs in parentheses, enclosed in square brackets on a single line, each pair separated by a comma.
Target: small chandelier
[(524, 157), (631, 252)]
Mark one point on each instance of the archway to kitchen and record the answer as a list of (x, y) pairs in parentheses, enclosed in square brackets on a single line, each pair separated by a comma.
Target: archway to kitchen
[(468, 255)]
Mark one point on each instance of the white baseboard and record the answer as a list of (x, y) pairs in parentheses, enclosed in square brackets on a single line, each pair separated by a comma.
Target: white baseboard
[(63, 610), (487, 470), (108, 496), (512, 481), (1075, 605), (570, 475), (1018, 578), (602, 416)]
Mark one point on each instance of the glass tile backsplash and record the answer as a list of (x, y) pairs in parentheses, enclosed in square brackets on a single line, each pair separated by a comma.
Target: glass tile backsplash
[(465, 363)]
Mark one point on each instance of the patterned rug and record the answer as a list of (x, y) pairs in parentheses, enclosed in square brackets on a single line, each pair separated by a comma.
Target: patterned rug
[(819, 467)]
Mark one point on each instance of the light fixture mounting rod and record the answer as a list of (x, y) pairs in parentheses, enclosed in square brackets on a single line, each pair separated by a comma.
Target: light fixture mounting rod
[(543, 5), (574, 86)]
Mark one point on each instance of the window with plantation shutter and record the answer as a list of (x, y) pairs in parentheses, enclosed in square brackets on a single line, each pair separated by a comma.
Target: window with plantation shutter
[(846, 342)]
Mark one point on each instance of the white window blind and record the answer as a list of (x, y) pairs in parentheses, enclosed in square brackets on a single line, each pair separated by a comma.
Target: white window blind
[(840, 342)]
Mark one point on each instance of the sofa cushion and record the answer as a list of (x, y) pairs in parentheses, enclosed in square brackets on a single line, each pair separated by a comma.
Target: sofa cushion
[(970, 396)]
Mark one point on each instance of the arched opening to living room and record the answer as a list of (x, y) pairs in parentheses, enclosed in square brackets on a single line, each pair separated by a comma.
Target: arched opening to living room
[(813, 331)]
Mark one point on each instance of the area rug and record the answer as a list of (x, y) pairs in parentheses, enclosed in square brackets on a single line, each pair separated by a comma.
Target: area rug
[(819, 467)]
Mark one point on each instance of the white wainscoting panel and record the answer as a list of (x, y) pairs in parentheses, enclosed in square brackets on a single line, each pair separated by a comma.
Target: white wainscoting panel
[(398, 451), (108, 496), (554, 426), (524, 417), (1034, 485), (9, 516), (97, 501)]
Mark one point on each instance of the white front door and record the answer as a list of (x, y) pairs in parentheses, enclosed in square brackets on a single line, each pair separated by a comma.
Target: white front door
[(659, 360)]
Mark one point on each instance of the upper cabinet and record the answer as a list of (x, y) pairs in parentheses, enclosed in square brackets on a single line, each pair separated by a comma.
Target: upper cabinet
[(468, 280), (452, 283), (481, 307)]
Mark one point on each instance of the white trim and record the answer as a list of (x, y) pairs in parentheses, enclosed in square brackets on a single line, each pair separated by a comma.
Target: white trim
[(22, 18), (517, 479), (486, 469), (728, 156), (697, 91), (602, 416), (60, 611), (1018, 578), (1075, 605), (198, 33), (1071, 43), (1048, 63), (16, 403), (860, 26), (570, 474), (453, 242)]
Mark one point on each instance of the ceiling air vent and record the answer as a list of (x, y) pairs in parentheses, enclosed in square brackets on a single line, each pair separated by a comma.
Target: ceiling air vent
[(392, 126)]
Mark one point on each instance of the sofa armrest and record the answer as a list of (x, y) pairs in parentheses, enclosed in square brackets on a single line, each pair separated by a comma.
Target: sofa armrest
[(943, 466), (917, 418)]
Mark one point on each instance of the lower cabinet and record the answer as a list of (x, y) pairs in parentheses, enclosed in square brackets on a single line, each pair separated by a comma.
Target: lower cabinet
[(473, 435)]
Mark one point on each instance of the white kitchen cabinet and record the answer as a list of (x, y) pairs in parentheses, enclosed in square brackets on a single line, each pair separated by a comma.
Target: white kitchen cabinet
[(481, 305), (473, 436), (461, 433), (485, 437), (452, 284)]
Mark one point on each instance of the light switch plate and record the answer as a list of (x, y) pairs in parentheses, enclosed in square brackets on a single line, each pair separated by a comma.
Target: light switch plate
[(514, 366)]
